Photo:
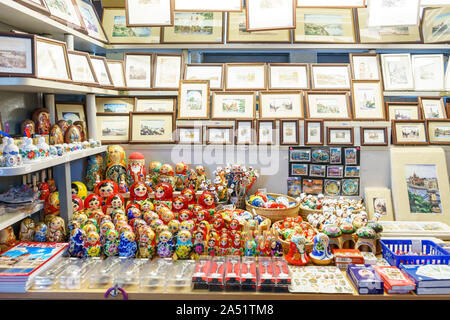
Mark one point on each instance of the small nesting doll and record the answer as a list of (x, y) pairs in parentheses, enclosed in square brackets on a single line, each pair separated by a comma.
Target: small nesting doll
[(136, 168), (41, 118), (111, 246), (297, 254), (179, 202), (76, 242), (56, 135), (250, 248), (105, 189), (165, 246), (77, 204), (236, 246), (185, 214), (133, 211), (199, 242), (189, 194), (164, 194), (184, 245), (127, 244), (92, 203), (180, 175), (114, 202), (147, 243), (224, 245), (139, 192), (95, 171), (207, 201), (56, 230), (147, 205), (276, 248), (7, 238), (51, 205), (192, 180), (27, 230), (105, 226), (166, 175), (174, 226), (321, 253), (201, 174), (212, 246), (40, 234), (92, 245), (115, 163), (153, 171)]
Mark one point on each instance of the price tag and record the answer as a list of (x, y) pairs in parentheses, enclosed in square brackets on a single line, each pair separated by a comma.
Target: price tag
[(416, 246)]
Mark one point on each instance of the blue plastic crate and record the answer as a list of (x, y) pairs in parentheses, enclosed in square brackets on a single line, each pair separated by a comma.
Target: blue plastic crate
[(435, 254)]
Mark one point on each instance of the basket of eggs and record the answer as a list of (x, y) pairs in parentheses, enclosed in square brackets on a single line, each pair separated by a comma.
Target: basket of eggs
[(285, 229), (273, 205)]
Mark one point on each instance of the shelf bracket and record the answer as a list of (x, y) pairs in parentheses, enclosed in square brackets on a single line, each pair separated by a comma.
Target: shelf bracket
[(50, 105), (69, 39), (91, 110)]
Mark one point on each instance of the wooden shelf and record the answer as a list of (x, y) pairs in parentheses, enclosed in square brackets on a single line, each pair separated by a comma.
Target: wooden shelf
[(8, 219), (416, 93)]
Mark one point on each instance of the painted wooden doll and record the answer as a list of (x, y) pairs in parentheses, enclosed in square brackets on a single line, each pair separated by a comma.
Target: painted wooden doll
[(115, 163), (297, 254), (127, 244), (147, 243), (76, 242), (136, 168), (40, 234), (165, 246), (41, 118), (166, 175), (105, 189), (95, 171), (180, 175), (184, 245), (199, 243), (92, 246), (27, 230), (111, 246), (56, 230), (321, 253)]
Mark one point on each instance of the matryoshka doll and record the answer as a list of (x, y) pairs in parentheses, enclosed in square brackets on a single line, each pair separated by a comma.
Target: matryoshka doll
[(250, 248), (40, 234), (56, 230), (180, 175), (147, 206), (192, 180), (321, 253), (138, 192), (127, 244), (167, 215), (297, 253), (183, 247), (115, 163), (212, 245), (165, 247), (166, 175), (133, 211), (153, 171), (77, 204), (164, 194), (81, 127), (189, 194), (92, 246), (111, 246), (92, 203), (147, 243), (149, 216), (72, 134), (202, 215), (179, 203), (276, 248), (174, 226), (201, 174), (76, 242), (28, 128), (199, 242), (63, 125), (56, 135), (136, 168), (184, 215), (115, 201), (105, 226), (7, 238), (51, 205), (41, 118), (94, 171), (236, 246), (105, 189), (27, 230), (207, 201), (224, 245)]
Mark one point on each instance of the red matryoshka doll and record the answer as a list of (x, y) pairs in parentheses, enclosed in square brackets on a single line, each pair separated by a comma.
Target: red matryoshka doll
[(199, 242), (234, 225), (115, 201), (164, 194), (166, 174), (92, 202), (202, 215), (105, 189), (51, 206), (224, 245), (138, 192), (212, 248), (149, 216), (115, 164), (196, 208), (236, 246), (207, 201), (167, 215), (159, 207), (184, 214), (189, 193), (179, 203), (218, 224), (147, 205), (77, 204), (41, 118), (136, 168), (133, 211), (180, 175)]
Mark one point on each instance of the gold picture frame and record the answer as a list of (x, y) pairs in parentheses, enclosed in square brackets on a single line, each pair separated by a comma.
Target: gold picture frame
[(148, 128)]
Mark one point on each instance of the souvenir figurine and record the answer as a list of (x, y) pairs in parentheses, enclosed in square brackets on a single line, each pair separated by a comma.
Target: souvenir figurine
[(149, 216), (41, 118), (133, 211), (276, 248), (189, 194), (164, 194), (166, 175), (81, 127), (105, 226), (27, 128), (12, 156), (115, 201), (212, 246), (123, 188), (127, 244), (174, 226), (180, 175), (184, 214), (79, 189), (321, 254), (183, 248), (92, 246), (147, 205), (27, 230), (220, 189), (250, 248), (154, 169), (165, 246), (56, 230), (7, 238), (43, 148), (138, 192), (147, 243), (76, 243), (115, 163), (92, 202), (72, 134), (207, 200), (105, 189), (77, 204), (297, 253), (28, 151), (51, 183), (63, 125), (179, 203), (192, 180), (51, 206), (40, 234), (136, 168), (111, 246), (199, 243), (94, 171), (224, 245), (201, 174), (236, 246), (167, 215)]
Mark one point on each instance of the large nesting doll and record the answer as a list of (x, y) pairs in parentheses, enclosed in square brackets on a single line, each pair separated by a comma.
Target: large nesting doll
[(115, 164)]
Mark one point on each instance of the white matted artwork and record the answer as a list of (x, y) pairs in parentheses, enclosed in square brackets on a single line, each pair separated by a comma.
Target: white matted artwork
[(270, 14), (81, 68), (16, 54), (281, 105), (52, 60), (288, 76), (378, 202), (420, 184), (384, 13), (208, 5), (167, 71), (331, 3), (149, 13), (428, 71), (205, 71), (138, 70), (397, 71)]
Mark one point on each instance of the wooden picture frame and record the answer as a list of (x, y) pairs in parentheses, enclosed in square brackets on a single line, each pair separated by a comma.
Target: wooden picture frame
[(90, 78), (115, 105), (413, 106), (272, 103), (230, 134), (162, 104), (326, 74), (42, 8), (138, 136), (138, 64), (296, 134), (422, 137), (316, 115), (179, 140), (259, 131), (364, 70), (236, 100), (293, 81), (43, 46), (58, 12), (439, 127), (213, 83), (117, 72), (116, 123), (330, 142), (202, 5), (250, 128), (156, 10), (364, 141), (260, 68), (70, 111), (392, 72), (365, 106), (193, 94), (382, 14), (17, 44), (89, 16), (102, 71), (330, 4), (428, 25), (269, 12), (441, 114), (307, 133), (163, 63), (298, 169), (378, 202), (432, 64)]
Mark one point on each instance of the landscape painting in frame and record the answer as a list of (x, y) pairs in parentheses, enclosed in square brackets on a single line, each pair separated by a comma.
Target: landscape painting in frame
[(423, 189), (113, 128), (16, 55), (436, 25)]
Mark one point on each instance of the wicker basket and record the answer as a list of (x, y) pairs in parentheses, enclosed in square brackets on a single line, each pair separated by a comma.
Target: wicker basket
[(275, 214), (286, 244)]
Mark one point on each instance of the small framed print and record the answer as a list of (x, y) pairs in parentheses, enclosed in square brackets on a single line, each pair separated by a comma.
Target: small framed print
[(289, 132), (280, 105), (403, 111), (331, 4), (265, 132), (397, 71), (352, 171), (393, 13), (117, 71), (332, 187), (113, 128), (152, 127), (335, 155), (432, 108), (327, 105), (66, 12), (233, 105), (115, 104), (350, 187), (149, 13), (52, 62), (81, 68), (409, 132), (351, 156), (17, 55), (435, 25), (193, 99), (299, 169), (102, 71), (212, 72), (70, 111), (339, 136), (335, 171), (330, 76), (155, 104), (378, 201), (91, 20), (365, 66), (38, 5), (374, 136), (428, 71), (270, 15), (245, 76), (294, 186), (167, 71), (208, 5), (219, 134), (189, 135), (288, 76), (313, 132), (368, 100), (439, 131), (299, 155), (317, 170), (245, 132), (320, 155), (138, 70), (312, 186)]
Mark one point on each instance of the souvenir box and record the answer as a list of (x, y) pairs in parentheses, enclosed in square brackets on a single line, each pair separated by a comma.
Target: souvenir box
[(216, 274), (365, 279), (180, 279), (395, 281), (48, 279), (200, 275), (266, 276), (127, 276), (233, 273), (75, 273), (102, 276), (369, 258), (428, 276), (248, 274), (154, 274), (282, 274), (348, 256)]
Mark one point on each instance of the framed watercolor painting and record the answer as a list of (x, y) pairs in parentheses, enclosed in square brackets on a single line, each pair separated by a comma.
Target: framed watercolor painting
[(245, 132), (233, 105), (409, 132), (373, 136), (189, 135), (245, 76), (428, 72), (435, 25), (138, 70), (327, 105), (219, 134), (115, 104), (313, 132), (81, 68), (66, 12), (155, 104), (91, 20), (208, 5), (193, 99), (280, 104), (102, 71), (52, 62), (70, 111), (351, 156), (38, 5), (213, 72), (270, 15), (403, 111), (299, 169), (152, 127), (393, 13), (117, 32), (265, 132), (17, 55), (289, 132), (331, 3), (288, 76), (330, 76), (438, 131), (397, 71), (113, 128), (299, 155), (317, 170), (339, 136), (365, 66), (149, 13), (117, 71), (335, 155), (378, 202), (432, 108), (167, 71), (368, 100)]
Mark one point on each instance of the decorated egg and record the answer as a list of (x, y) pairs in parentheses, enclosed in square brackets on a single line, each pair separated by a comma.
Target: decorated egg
[(282, 200), (73, 134)]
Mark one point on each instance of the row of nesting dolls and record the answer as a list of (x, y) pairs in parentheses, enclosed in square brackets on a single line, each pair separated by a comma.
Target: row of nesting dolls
[(125, 174)]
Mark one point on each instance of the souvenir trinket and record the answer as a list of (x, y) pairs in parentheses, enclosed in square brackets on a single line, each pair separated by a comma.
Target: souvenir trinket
[(166, 175), (27, 128), (115, 163), (321, 253), (40, 234), (77, 204), (77, 242), (297, 251), (180, 175), (199, 243), (138, 192), (105, 189), (27, 230), (154, 169), (41, 118), (127, 244), (136, 168), (165, 247), (28, 151), (189, 193), (81, 127), (179, 203), (72, 134), (92, 246), (184, 246), (207, 200), (63, 125), (12, 157), (111, 246), (212, 246), (7, 238), (94, 171), (56, 230), (147, 243)]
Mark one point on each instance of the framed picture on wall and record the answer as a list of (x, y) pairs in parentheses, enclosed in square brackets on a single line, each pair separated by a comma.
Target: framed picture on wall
[(237, 31), (379, 203), (101, 71), (397, 71), (52, 62), (189, 135), (17, 55), (70, 112), (339, 136), (233, 105), (409, 132), (213, 72), (138, 70), (113, 128), (289, 132), (393, 13), (330, 76), (280, 104), (439, 131), (352, 171), (270, 15), (219, 134), (193, 99), (117, 71), (317, 170), (435, 25), (208, 5), (313, 132), (187, 29), (403, 111), (288, 76), (335, 171), (152, 127), (299, 155), (155, 104), (66, 12), (312, 186), (81, 68), (265, 132), (432, 107), (149, 13), (368, 100), (374, 136), (428, 71), (331, 3), (245, 76), (167, 71), (115, 104), (91, 20), (299, 169), (327, 105), (117, 32), (38, 5), (365, 66), (245, 132)]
